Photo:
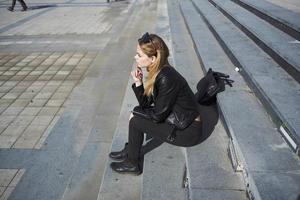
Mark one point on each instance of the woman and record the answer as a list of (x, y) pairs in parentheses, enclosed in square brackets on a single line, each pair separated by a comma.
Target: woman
[(167, 107)]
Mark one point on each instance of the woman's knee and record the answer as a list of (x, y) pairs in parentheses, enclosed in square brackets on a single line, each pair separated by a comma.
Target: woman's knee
[(133, 121)]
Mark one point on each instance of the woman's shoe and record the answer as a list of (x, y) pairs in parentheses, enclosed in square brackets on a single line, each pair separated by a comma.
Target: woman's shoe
[(120, 155), (126, 167), (10, 9)]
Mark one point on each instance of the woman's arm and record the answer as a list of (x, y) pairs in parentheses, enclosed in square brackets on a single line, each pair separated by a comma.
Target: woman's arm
[(167, 91), (138, 88)]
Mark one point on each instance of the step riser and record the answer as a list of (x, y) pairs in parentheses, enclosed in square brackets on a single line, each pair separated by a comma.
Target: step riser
[(275, 115), (278, 24), (289, 68)]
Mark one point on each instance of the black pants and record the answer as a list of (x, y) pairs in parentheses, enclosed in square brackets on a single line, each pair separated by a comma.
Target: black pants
[(23, 4), (160, 131)]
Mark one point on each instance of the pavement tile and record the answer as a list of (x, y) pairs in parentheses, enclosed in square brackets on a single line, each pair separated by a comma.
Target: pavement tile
[(54, 82), (55, 102), (13, 131), (5, 88), (63, 72), (20, 103), (48, 111), (6, 120), (19, 89), (73, 77), (37, 102), (22, 120), (7, 193), (46, 133), (31, 78), (7, 141), (11, 95), (42, 120), (25, 83), (10, 83), (43, 95), (5, 77), (32, 111), (28, 68), (45, 78), (60, 95), (42, 67), (2, 128), (49, 88), (55, 67), (10, 73), (30, 137), (6, 175), (65, 88), (35, 72), (68, 68), (21, 64), (17, 178), (2, 189), (50, 72), (17, 78), (23, 73), (12, 111), (27, 95)]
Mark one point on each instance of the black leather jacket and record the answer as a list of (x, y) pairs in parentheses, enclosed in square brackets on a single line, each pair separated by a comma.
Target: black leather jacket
[(173, 100)]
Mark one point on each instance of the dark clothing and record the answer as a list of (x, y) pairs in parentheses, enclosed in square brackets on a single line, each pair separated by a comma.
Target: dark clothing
[(138, 126), (23, 4), (171, 96), (172, 100)]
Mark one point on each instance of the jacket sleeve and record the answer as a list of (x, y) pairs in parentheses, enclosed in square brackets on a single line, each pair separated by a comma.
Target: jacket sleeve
[(144, 101), (167, 91)]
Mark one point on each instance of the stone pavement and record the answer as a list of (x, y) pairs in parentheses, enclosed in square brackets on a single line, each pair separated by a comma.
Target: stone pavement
[(51, 59)]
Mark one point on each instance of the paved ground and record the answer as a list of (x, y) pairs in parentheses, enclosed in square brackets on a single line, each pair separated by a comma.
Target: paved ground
[(46, 53)]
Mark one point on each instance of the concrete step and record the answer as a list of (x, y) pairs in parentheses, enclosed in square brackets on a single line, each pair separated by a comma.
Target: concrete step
[(283, 18), (164, 166), (114, 185), (279, 45), (209, 174), (270, 168), (266, 78)]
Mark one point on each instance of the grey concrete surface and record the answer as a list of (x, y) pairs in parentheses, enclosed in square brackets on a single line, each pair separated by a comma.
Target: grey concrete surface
[(71, 161), (279, 45), (267, 79), (260, 147), (210, 174), (278, 13)]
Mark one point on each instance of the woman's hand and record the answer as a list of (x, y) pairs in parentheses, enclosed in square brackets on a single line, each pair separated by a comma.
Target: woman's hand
[(137, 76)]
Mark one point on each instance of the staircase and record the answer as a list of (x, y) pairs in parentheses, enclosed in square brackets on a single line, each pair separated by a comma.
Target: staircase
[(261, 111), (253, 152)]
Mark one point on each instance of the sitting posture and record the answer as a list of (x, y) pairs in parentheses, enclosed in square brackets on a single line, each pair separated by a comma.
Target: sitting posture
[(168, 109)]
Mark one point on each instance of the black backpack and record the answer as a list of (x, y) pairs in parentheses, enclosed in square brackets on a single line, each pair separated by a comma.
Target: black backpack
[(210, 85)]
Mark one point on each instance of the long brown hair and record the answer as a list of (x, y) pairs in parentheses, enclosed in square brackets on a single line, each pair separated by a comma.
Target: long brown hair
[(158, 48)]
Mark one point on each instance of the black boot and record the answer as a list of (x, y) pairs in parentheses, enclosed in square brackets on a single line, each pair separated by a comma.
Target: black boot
[(126, 167), (11, 9), (120, 155)]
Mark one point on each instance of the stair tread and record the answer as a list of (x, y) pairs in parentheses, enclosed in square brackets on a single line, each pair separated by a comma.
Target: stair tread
[(280, 42), (114, 185), (281, 13), (271, 80), (260, 147), (163, 173), (164, 166), (208, 164)]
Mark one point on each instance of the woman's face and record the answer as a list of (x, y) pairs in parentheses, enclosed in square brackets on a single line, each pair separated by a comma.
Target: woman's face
[(142, 59)]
